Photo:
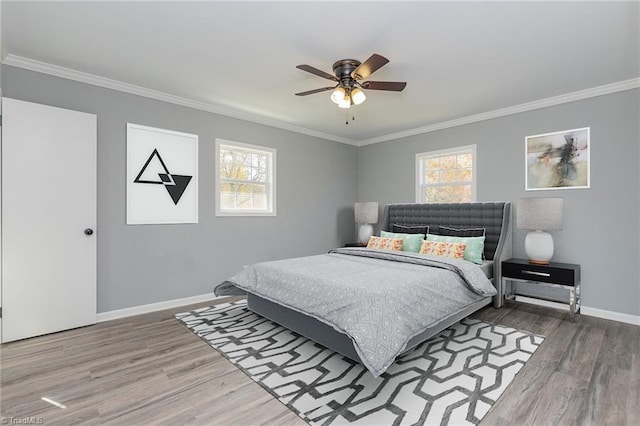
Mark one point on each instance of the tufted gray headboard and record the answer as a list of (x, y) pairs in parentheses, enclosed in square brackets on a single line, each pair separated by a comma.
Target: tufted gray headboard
[(493, 216)]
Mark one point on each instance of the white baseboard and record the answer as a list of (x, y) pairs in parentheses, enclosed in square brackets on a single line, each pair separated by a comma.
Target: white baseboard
[(610, 315), (152, 307), (585, 310)]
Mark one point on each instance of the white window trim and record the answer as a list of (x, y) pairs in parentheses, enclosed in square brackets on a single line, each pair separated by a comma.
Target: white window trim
[(271, 196), (440, 153)]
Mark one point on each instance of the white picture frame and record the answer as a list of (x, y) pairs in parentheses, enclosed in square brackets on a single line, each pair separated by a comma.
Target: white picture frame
[(162, 176), (558, 160)]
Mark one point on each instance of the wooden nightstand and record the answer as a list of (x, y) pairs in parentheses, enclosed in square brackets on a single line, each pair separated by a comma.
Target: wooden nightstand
[(560, 275)]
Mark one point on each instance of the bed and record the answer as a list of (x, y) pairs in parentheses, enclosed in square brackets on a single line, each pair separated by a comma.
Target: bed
[(321, 313)]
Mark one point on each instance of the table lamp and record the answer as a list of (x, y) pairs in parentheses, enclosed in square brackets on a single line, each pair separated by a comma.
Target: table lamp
[(366, 215), (539, 215)]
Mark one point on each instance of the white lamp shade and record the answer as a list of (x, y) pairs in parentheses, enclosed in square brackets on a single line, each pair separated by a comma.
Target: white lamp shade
[(540, 214), (345, 103), (337, 95), (366, 212), (358, 96)]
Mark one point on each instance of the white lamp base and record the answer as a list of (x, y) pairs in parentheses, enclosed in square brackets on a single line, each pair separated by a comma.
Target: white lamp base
[(365, 231), (539, 247)]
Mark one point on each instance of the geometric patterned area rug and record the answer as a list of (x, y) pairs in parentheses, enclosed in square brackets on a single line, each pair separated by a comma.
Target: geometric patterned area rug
[(451, 379)]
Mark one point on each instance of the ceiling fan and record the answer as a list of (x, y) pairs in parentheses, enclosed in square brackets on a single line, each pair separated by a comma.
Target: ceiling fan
[(347, 73)]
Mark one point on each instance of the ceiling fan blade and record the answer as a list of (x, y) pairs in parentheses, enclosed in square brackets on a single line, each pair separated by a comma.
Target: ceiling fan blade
[(368, 67), (316, 71), (394, 86), (311, 92)]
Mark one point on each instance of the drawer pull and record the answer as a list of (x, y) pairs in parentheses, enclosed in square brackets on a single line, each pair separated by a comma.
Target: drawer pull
[(539, 274)]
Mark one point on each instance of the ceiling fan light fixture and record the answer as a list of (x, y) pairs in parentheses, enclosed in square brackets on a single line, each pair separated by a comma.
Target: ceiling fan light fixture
[(345, 102), (338, 95), (358, 96), (348, 90)]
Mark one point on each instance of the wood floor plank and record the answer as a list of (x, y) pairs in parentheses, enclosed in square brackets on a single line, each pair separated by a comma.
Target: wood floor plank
[(554, 406), (150, 369), (605, 401), (523, 394), (580, 356)]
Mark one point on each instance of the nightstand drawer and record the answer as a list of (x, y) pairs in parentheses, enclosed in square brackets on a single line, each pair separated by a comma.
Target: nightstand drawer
[(556, 273)]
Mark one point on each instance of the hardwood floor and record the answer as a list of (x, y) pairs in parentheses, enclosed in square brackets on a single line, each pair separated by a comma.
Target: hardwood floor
[(150, 369)]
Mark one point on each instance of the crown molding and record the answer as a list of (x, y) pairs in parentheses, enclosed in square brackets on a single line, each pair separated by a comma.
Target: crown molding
[(70, 74), (620, 86), (95, 80)]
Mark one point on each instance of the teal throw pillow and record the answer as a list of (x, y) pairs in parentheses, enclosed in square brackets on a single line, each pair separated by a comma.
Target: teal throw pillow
[(474, 250), (410, 242)]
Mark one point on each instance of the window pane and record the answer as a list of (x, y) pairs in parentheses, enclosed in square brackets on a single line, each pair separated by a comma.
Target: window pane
[(258, 174), (449, 194), (244, 158), (435, 195), (243, 188), (258, 189), (243, 201), (227, 201), (226, 187), (259, 160), (465, 160), (448, 162), (448, 175), (226, 157), (432, 176), (242, 173), (228, 171), (260, 202), (432, 163), (465, 175)]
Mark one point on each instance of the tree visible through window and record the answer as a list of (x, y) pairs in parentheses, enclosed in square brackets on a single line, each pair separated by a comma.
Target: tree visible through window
[(446, 176), (245, 179)]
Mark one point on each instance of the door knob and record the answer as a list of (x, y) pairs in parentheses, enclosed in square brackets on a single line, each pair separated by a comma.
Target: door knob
[(88, 231)]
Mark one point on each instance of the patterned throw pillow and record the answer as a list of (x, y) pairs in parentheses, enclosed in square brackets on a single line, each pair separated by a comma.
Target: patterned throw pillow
[(385, 243), (410, 242), (455, 250), (474, 250)]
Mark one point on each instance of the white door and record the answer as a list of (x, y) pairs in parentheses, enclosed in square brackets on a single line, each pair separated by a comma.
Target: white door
[(48, 219)]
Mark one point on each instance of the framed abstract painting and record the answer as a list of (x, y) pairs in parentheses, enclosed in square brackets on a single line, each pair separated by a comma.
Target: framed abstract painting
[(558, 160)]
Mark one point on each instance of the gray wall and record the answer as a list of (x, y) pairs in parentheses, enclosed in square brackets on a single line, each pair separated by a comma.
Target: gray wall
[(144, 264), (601, 227)]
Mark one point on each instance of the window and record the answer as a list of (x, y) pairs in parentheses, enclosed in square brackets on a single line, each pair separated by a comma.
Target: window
[(446, 176), (246, 179)]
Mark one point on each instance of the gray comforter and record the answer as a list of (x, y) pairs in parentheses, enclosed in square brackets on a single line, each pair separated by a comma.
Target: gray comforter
[(380, 299)]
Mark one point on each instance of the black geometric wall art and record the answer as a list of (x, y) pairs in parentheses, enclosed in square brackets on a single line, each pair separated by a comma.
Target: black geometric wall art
[(156, 159), (155, 172)]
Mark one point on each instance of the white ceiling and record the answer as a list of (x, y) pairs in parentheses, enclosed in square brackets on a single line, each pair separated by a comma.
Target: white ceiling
[(239, 58)]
